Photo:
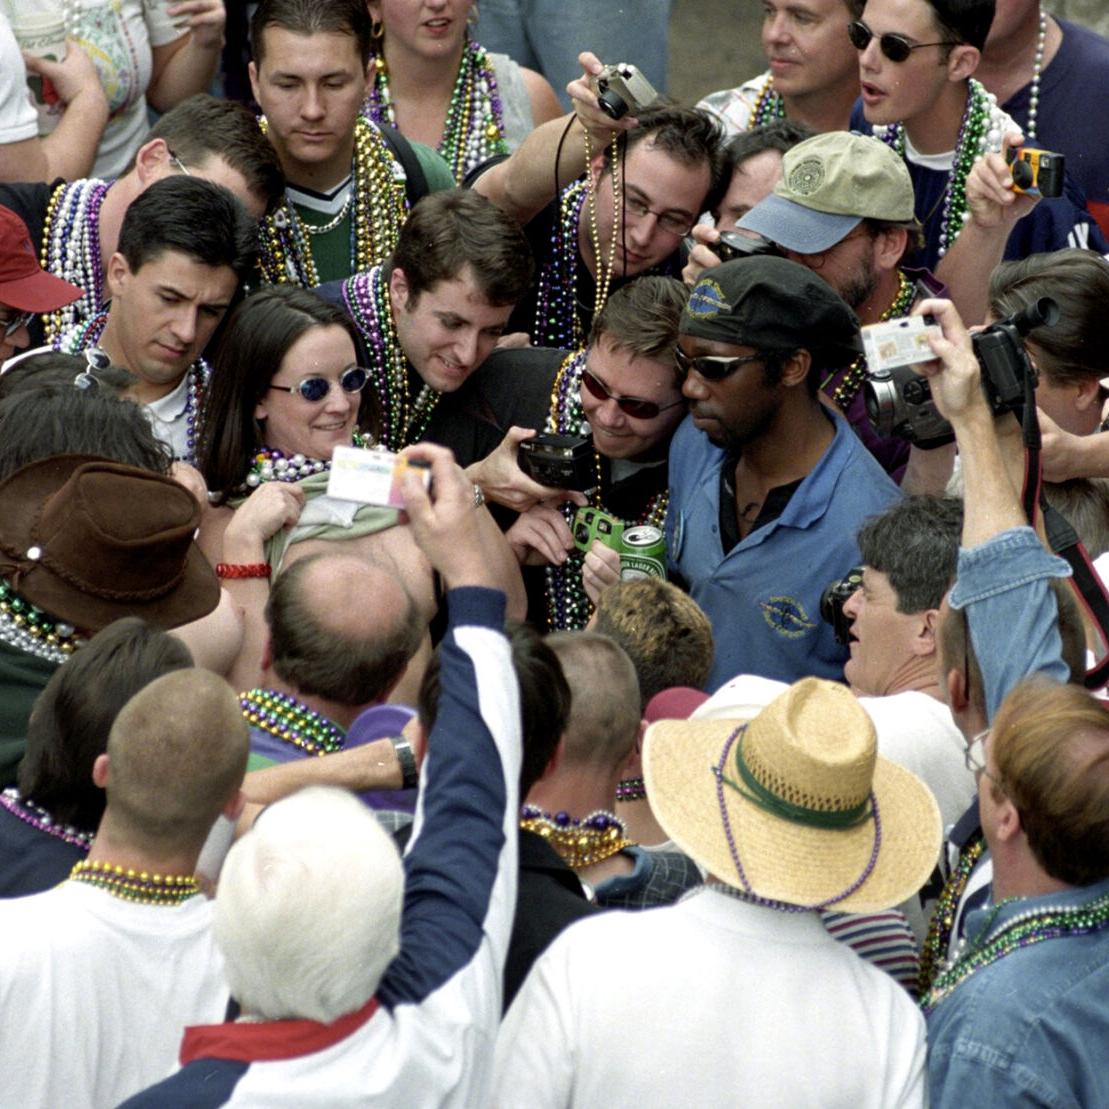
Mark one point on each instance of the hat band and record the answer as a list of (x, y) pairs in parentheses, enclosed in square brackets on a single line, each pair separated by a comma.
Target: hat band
[(771, 802)]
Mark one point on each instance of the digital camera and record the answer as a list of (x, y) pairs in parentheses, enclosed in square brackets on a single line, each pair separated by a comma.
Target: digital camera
[(1037, 172), (732, 244), (594, 523), (835, 597), (899, 402), (622, 89), (561, 461)]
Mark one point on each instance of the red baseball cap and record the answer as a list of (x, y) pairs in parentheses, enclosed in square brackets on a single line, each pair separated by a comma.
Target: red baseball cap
[(24, 284)]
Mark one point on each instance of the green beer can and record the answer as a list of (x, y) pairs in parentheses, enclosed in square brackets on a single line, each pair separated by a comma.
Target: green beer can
[(642, 553)]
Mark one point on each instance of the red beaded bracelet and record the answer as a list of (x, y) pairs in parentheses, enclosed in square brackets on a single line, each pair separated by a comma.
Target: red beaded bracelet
[(242, 570)]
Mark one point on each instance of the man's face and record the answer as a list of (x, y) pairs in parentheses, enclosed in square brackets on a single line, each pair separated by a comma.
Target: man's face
[(894, 91), (738, 409), (882, 638), (849, 266), (310, 88), (625, 375), (752, 180), (19, 339), (674, 192), (807, 46), (294, 425), (163, 314), (448, 330)]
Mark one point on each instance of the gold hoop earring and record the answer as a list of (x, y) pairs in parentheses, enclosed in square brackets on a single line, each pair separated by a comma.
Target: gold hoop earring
[(377, 30)]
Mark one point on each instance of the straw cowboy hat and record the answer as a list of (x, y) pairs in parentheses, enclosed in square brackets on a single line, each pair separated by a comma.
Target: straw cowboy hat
[(89, 541), (793, 805)]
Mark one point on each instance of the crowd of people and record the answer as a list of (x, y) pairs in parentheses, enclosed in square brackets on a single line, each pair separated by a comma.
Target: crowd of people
[(735, 620)]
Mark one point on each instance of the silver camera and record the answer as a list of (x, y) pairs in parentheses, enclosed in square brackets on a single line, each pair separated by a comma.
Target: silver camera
[(622, 89)]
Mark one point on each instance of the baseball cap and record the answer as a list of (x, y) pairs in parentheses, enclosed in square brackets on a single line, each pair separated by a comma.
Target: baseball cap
[(829, 185), (24, 284), (770, 304)]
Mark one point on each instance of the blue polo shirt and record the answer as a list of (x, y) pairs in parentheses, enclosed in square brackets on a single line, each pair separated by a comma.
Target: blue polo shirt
[(763, 596)]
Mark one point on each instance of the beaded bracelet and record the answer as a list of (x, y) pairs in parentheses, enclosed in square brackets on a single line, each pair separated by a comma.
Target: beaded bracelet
[(243, 570)]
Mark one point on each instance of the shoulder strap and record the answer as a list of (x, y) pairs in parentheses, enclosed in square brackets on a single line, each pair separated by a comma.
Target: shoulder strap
[(415, 181)]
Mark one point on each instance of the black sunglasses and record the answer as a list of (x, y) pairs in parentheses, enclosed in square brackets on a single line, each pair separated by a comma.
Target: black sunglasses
[(713, 367), (630, 406), (895, 47), (13, 323), (314, 389)]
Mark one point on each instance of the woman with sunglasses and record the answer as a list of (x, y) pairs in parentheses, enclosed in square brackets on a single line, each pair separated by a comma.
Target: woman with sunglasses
[(286, 390), (431, 81)]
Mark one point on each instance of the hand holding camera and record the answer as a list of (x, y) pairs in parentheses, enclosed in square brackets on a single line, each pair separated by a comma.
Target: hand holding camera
[(600, 124), (991, 199)]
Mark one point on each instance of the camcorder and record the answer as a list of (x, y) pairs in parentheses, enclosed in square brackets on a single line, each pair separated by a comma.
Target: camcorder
[(1036, 172), (622, 89), (732, 244), (899, 402), (835, 597), (560, 461)]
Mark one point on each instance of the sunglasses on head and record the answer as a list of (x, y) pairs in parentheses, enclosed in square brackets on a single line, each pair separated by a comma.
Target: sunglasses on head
[(713, 367), (13, 323), (895, 47), (316, 388), (95, 360), (630, 406)]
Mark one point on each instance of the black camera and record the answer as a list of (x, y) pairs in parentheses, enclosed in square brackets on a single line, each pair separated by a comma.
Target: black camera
[(732, 244), (1038, 172), (622, 89), (561, 461), (835, 597), (899, 402)]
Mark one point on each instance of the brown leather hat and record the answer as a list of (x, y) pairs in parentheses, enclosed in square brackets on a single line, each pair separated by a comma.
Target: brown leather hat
[(89, 541)]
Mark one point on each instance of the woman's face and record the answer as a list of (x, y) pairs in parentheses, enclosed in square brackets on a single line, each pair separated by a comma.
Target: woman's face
[(428, 28), (294, 425)]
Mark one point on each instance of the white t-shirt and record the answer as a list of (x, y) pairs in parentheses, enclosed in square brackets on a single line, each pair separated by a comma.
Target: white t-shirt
[(18, 119), (119, 36), (96, 993)]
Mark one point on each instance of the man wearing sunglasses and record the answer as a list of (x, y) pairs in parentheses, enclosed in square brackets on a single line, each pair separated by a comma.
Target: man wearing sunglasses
[(25, 288), (768, 486), (916, 61)]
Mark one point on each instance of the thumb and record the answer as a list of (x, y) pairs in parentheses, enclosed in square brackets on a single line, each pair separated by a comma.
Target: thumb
[(516, 435)]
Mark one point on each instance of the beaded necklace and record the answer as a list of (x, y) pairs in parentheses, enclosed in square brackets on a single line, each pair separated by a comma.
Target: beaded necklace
[(71, 250), (38, 818), (568, 607), (933, 951), (474, 127), (1034, 90), (557, 323), (1024, 930), (368, 302), (282, 715), (579, 843), (768, 105), (631, 789), (87, 334), (855, 374), (980, 131), (271, 464), (165, 890), (28, 629), (379, 203)]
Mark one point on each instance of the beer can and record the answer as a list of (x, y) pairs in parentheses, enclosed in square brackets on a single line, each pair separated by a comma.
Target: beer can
[(643, 553)]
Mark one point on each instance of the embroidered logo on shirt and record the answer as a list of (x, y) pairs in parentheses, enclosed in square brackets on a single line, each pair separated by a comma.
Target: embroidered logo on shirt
[(707, 299), (786, 616)]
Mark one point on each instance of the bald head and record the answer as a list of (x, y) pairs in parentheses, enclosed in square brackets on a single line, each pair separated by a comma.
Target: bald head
[(176, 755), (341, 629)]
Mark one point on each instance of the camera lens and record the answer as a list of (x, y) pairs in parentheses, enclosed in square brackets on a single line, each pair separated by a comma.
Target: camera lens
[(880, 397), (611, 104)]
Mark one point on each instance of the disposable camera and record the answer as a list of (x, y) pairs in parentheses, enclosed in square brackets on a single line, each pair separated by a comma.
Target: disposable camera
[(594, 523), (622, 89), (732, 244), (372, 477), (1036, 172), (835, 597), (899, 402), (560, 461)]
